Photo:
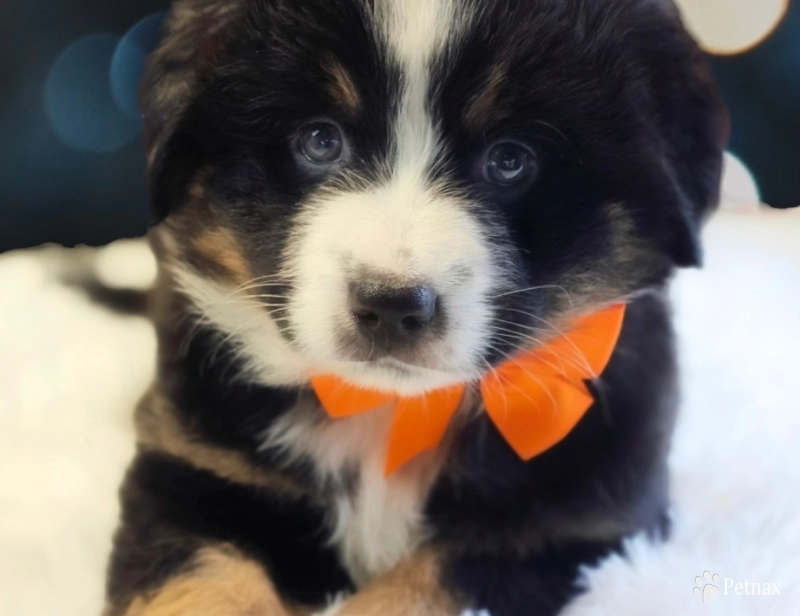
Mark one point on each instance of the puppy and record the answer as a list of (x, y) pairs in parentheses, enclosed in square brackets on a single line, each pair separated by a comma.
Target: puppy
[(404, 195)]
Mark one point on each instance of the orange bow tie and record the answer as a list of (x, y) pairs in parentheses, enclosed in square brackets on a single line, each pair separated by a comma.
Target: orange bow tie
[(534, 399)]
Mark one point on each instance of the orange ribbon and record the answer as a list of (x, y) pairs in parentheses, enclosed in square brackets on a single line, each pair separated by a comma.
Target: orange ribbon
[(534, 399)]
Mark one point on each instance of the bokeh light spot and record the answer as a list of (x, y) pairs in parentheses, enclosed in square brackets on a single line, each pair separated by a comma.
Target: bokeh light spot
[(739, 188), (732, 26), (128, 62), (78, 99)]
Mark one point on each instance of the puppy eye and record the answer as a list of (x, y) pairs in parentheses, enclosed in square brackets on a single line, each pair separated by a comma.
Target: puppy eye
[(509, 163), (322, 143)]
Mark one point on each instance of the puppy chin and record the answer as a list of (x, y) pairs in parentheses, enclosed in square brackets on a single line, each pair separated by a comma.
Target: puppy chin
[(390, 374)]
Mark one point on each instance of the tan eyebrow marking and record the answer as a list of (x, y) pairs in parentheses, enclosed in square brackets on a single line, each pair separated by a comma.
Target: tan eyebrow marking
[(342, 87), (219, 250), (485, 104)]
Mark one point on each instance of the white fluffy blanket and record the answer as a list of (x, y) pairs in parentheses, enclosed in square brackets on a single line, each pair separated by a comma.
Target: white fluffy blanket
[(70, 373)]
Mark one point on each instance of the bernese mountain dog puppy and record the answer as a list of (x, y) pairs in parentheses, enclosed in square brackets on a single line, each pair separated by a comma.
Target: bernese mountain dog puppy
[(404, 195)]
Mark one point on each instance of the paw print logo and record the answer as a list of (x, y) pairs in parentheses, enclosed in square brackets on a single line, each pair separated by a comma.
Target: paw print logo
[(709, 590)]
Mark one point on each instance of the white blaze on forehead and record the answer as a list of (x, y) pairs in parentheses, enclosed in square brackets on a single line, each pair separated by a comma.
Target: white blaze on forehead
[(416, 29), (416, 32)]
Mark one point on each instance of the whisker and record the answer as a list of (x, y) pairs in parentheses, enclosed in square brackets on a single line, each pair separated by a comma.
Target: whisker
[(556, 130), (268, 296), (579, 355), (255, 306), (522, 349), (536, 288), (231, 335), (257, 281), (497, 376), (530, 374), (523, 326)]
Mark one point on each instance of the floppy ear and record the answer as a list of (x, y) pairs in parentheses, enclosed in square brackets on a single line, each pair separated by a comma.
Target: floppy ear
[(674, 216), (191, 36), (694, 129)]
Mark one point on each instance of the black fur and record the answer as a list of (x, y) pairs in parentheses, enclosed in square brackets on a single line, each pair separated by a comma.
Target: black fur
[(606, 480), (536, 585), (614, 99), (274, 81)]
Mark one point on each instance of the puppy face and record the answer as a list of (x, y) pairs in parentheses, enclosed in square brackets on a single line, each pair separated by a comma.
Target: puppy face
[(405, 192)]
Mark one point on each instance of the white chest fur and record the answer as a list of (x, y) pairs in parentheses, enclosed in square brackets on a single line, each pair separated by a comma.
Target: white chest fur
[(375, 520)]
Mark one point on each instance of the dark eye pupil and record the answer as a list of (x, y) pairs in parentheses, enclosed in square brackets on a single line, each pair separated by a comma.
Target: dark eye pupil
[(508, 164), (322, 143)]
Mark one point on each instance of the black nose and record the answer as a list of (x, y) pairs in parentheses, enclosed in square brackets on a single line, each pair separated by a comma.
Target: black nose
[(392, 314)]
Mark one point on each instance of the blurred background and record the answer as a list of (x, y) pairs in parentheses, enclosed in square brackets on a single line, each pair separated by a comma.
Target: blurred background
[(71, 167)]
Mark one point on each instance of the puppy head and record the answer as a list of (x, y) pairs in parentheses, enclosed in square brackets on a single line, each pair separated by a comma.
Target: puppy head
[(405, 192)]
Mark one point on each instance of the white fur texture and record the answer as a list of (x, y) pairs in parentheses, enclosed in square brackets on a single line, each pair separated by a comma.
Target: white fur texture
[(70, 374), (403, 230), (244, 324)]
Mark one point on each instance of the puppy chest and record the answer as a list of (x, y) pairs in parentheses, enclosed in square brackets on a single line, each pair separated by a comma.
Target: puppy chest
[(377, 521), (374, 520)]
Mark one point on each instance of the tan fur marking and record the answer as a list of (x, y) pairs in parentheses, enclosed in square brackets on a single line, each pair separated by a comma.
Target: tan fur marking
[(629, 260), (157, 427), (628, 248), (342, 88), (412, 588), (199, 237), (222, 583), (485, 104), (219, 247)]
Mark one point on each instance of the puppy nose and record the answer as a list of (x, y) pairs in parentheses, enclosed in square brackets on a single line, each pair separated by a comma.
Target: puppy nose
[(399, 314)]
